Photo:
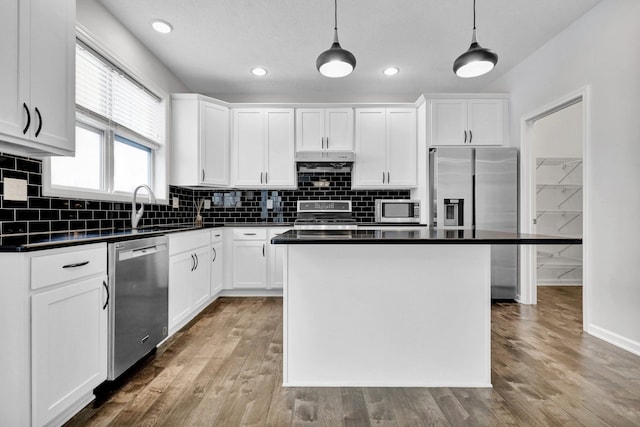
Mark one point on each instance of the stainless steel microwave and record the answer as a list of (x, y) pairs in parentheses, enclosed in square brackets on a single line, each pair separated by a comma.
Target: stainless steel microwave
[(397, 210)]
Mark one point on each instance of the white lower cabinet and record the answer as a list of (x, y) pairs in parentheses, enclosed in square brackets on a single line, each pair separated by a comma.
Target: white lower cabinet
[(217, 262), (250, 259), (257, 264), (275, 254), (53, 326), (189, 276), (68, 346)]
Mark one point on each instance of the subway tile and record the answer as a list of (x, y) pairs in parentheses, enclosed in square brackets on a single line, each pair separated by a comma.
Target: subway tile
[(14, 227)]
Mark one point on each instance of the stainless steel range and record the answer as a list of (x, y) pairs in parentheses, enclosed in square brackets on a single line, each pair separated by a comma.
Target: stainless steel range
[(325, 215)]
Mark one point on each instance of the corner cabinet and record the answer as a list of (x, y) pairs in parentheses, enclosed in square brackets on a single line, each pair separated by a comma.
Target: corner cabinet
[(37, 77), (386, 148), (263, 148), (256, 263), (200, 141), (324, 129), (475, 121)]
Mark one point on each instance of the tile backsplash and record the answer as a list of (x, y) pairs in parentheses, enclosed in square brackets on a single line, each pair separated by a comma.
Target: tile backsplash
[(41, 214)]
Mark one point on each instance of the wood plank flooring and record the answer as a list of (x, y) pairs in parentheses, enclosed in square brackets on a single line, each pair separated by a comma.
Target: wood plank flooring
[(225, 369)]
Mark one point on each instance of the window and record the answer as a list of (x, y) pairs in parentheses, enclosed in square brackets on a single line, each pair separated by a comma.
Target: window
[(119, 143)]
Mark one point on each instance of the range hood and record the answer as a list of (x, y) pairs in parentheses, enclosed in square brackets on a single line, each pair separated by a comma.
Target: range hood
[(325, 161)]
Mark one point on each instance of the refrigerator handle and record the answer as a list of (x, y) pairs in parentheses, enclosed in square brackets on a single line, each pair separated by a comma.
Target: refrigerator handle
[(473, 201)]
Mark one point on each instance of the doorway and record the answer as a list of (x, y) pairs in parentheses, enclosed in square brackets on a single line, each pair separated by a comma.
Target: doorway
[(553, 195)]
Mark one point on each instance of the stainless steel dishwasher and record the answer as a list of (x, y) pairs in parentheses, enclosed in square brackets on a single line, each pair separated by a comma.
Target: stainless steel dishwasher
[(139, 290)]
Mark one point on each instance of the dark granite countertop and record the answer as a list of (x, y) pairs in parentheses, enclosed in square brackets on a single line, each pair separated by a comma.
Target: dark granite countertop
[(42, 241), (422, 235)]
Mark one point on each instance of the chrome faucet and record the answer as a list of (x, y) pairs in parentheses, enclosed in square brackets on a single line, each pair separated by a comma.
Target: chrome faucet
[(135, 216)]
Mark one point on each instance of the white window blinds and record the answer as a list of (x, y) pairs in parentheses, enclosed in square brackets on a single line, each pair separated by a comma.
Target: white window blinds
[(106, 91)]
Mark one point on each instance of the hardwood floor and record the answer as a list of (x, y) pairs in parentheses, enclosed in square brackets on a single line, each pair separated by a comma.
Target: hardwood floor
[(224, 369)]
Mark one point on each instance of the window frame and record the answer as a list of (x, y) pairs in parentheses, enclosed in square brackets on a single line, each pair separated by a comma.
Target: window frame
[(159, 161)]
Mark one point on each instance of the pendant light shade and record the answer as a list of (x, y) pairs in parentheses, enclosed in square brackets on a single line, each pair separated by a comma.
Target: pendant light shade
[(336, 61), (477, 60)]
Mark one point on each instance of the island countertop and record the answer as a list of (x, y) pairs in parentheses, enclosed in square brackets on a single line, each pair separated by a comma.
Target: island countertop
[(418, 235)]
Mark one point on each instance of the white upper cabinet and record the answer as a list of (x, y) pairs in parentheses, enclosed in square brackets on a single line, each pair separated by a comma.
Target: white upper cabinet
[(386, 148), (37, 76), (200, 141), (320, 129), (263, 148), (478, 121)]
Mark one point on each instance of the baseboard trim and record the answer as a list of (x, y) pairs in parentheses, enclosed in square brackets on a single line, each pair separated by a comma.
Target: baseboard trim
[(250, 293), (615, 339)]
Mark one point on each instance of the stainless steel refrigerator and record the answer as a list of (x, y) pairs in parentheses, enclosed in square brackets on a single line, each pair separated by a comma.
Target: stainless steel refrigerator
[(477, 188)]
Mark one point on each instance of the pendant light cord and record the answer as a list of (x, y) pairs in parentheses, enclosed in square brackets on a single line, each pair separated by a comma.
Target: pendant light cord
[(335, 11), (474, 14)]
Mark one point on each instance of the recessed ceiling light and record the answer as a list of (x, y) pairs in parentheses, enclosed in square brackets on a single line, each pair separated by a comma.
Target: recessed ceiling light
[(391, 71), (161, 26), (259, 71)]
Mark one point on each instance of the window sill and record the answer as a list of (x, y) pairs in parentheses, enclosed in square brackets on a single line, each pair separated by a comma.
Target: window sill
[(68, 193)]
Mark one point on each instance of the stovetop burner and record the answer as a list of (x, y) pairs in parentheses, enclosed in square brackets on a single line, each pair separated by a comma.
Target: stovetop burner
[(324, 215)]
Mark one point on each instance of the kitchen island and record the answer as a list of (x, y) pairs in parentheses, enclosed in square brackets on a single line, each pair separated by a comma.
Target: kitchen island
[(390, 308)]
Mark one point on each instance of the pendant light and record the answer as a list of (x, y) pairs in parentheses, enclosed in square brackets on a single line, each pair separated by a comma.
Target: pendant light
[(336, 62), (477, 60)]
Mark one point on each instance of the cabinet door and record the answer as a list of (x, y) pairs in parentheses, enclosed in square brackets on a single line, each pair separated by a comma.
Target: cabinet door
[(52, 72), (281, 170), (217, 260), (402, 148), (339, 129), (180, 277), (249, 143), (69, 346), (14, 88), (485, 121), (449, 122), (214, 144), (275, 255), (249, 264), (200, 280), (370, 167), (309, 129)]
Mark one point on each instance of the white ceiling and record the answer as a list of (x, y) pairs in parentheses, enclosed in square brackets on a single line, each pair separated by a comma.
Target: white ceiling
[(215, 43)]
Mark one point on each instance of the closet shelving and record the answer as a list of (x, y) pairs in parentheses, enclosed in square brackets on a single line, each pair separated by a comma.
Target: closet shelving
[(559, 212)]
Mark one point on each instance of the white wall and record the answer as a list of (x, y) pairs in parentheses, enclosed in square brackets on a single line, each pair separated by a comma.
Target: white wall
[(560, 134), (121, 44), (599, 50)]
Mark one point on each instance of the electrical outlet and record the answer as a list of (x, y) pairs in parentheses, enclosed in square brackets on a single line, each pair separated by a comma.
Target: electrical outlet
[(269, 203), (207, 204), (176, 203), (15, 189)]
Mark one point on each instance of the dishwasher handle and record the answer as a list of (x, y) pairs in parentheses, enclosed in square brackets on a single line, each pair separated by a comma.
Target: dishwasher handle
[(124, 255)]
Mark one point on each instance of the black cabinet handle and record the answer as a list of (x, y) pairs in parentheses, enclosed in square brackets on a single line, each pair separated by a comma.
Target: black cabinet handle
[(266, 177), (26, 128), (193, 262), (215, 254), (263, 249), (77, 264), (39, 122), (465, 136), (197, 261), (383, 177), (470, 137), (203, 174), (388, 177), (107, 289), (261, 177), (327, 143)]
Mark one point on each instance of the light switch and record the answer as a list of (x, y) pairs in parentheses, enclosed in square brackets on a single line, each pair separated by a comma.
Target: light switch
[(207, 203), (176, 203), (15, 189)]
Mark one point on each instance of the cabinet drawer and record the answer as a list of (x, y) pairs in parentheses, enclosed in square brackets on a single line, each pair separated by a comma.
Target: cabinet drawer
[(187, 241), (250, 234), (67, 265), (216, 235)]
